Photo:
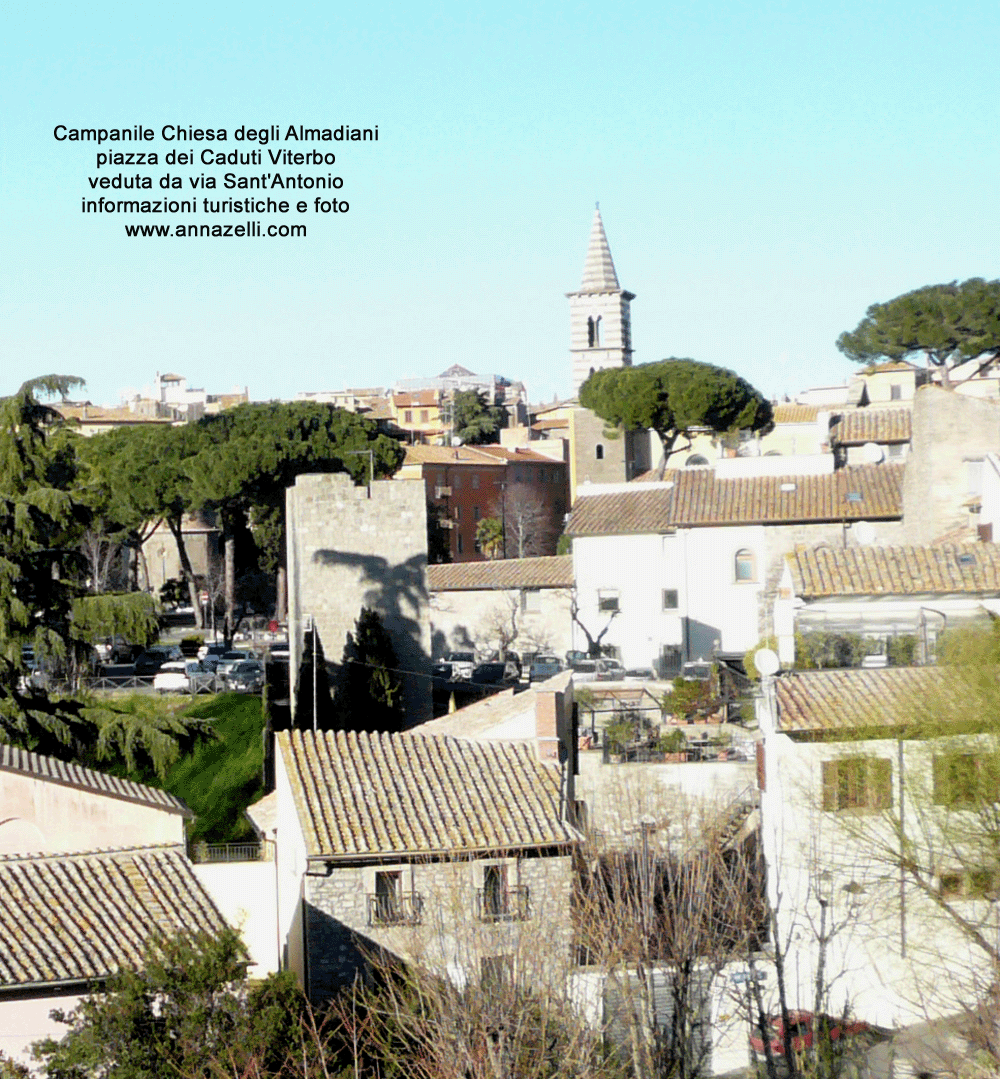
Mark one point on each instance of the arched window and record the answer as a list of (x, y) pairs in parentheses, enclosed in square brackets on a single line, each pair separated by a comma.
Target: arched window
[(599, 452), (696, 459), (591, 332), (745, 565)]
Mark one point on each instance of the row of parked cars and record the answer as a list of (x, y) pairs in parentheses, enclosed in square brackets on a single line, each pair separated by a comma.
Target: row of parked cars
[(215, 668), (509, 670)]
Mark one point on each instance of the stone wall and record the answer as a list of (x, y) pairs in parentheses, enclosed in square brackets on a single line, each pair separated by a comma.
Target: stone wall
[(449, 939), (352, 547), (950, 430)]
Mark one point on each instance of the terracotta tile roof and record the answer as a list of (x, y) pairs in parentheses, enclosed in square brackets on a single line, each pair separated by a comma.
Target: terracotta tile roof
[(362, 795), (550, 425), (98, 414), (518, 454), (895, 571), (446, 455), (416, 399), (795, 413), (554, 571), (698, 499), (83, 916), (851, 699), (871, 425), (13, 759), (889, 365)]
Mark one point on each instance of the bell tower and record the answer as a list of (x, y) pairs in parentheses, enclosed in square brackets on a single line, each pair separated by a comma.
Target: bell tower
[(600, 324)]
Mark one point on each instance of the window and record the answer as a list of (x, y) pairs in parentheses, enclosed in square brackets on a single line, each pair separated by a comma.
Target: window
[(607, 600), (475, 513), (745, 566), (531, 599), (475, 481), (670, 661), (498, 900), (423, 415), (458, 513), (896, 392), (461, 545), (670, 599), (977, 882), (593, 332), (389, 905), (857, 783), (966, 779), (408, 416), (599, 452)]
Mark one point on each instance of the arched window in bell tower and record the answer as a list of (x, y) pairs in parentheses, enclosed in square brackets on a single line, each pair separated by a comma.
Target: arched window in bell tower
[(597, 332), (591, 332)]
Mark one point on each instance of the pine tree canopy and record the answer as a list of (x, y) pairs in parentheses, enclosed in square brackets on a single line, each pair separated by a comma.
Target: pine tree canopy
[(948, 324), (674, 397)]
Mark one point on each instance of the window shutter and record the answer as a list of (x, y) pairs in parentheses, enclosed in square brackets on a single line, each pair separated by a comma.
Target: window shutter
[(880, 783), (831, 784)]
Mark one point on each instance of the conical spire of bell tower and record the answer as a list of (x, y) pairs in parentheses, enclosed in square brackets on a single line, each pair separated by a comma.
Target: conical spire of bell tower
[(600, 330), (599, 269)]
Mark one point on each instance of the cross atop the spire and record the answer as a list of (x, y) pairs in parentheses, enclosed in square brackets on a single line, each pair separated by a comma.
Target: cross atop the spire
[(599, 269)]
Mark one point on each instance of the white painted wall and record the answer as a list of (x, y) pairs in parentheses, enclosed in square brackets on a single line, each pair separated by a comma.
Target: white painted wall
[(699, 564), (23, 1022), (291, 868), (246, 895), (40, 816), (812, 853)]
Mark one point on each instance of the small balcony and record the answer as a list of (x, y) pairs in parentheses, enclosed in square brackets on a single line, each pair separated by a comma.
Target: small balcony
[(503, 905), (405, 909)]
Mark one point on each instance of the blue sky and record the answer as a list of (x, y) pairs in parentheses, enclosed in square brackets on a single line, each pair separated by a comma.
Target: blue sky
[(765, 170)]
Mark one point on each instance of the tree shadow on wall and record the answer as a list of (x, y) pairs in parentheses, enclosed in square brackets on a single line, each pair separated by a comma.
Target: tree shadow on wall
[(399, 594)]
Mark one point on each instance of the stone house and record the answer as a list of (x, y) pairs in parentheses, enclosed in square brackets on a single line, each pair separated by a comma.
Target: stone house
[(527, 600), (453, 855)]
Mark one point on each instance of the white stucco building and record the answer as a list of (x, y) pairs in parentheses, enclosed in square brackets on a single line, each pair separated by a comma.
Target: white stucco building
[(685, 568)]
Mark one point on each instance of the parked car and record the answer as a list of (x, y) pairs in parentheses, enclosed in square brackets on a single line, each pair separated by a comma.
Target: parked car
[(246, 676), (639, 674), (211, 653), (462, 663), (228, 660), (443, 671), (610, 670), (493, 674), (803, 1027), (543, 667), (698, 671), (116, 650), (153, 659), (585, 670), (181, 676)]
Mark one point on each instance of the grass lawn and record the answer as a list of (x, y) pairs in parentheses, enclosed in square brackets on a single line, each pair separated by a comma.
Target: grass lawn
[(220, 778)]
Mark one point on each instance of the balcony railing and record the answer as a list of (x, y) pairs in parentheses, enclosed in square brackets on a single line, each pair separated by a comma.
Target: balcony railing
[(229, 852), (406, 909), (506, 905)]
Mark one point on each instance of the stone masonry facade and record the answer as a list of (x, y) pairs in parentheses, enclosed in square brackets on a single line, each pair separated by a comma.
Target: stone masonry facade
[(449, 937), (350, 547)]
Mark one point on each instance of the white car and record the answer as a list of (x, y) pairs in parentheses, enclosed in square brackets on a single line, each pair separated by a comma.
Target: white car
[(177, 676)]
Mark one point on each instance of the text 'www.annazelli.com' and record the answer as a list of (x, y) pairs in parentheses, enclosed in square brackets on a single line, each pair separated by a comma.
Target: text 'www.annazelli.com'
[(250, 229)]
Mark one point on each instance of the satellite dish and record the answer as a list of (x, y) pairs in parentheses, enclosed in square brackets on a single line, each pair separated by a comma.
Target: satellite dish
[(766, 661), (864, 533), (873, 453)]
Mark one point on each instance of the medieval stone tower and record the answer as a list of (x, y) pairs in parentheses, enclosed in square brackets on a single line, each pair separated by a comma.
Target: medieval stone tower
[(601, 330)]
